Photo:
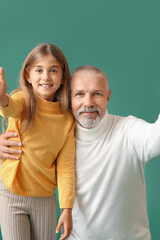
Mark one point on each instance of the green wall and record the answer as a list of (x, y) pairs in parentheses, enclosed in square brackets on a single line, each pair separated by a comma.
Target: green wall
[(120, 36)]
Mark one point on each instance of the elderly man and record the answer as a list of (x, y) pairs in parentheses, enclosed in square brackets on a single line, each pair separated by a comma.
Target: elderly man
[(111, 154)]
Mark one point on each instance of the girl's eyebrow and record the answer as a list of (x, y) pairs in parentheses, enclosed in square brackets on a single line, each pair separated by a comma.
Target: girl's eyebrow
[(50, 66)]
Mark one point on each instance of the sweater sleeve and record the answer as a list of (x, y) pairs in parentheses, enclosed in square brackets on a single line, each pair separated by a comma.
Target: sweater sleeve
[(14, 107), (66, 171), (145, 138)]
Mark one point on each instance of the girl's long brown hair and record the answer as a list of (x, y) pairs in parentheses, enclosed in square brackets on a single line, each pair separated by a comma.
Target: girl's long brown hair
[(62, 94)]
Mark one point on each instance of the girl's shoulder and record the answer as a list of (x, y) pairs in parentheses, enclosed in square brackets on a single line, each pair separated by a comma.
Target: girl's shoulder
[(69, 116), (17, 94)]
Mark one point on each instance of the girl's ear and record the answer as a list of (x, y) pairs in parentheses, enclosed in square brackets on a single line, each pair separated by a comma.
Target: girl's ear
[(27, 76), (62, 80)]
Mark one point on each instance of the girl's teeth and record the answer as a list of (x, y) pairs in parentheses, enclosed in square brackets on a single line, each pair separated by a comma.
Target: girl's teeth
[(46, 85)]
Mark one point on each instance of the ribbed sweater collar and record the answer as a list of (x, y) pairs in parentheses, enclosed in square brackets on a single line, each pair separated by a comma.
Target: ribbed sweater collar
[(87, 135), (47, 106)]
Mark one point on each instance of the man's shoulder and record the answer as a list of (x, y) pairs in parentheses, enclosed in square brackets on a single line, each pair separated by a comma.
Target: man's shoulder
[(122, 121), (122, 118)]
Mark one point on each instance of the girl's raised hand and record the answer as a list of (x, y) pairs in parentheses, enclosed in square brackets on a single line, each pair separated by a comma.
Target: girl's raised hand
[(3, 89)]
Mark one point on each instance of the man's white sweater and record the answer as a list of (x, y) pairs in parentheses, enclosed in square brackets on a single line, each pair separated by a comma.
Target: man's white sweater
[(110, 199)]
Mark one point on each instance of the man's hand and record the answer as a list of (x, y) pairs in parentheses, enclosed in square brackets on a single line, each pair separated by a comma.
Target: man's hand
[(3, 89), (6, 152), (65, 220)]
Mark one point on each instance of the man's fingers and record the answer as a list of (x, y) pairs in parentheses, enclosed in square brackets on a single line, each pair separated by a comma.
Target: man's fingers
[(9, 153), (11, 143), (5, 139), (7, 135), (6, 150), (11, 150), (8, 156)]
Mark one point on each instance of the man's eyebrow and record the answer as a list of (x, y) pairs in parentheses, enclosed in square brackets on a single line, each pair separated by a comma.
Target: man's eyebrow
[(98, 90), (94, 90), (78, 90)]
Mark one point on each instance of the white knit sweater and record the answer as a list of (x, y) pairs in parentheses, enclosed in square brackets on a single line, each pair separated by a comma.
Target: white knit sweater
[(110, 199)]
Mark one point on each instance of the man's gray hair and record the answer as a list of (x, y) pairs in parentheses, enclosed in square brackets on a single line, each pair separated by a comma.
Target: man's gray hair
[(97, 71)]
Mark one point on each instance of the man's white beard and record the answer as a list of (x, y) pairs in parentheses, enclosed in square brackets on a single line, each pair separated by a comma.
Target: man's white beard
[(88, 121)]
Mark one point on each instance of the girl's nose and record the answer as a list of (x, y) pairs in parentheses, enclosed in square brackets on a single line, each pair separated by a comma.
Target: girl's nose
[(45, 76), (44, 79)]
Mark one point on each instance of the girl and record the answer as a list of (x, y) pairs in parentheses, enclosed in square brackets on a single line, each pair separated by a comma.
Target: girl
[(38, 111)]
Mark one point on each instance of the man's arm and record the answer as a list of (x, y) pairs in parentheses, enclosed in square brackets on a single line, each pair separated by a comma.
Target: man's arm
[(6, 150), (145, 138)]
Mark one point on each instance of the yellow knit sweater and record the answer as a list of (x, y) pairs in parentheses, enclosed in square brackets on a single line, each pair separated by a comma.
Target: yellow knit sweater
[(48, 153)]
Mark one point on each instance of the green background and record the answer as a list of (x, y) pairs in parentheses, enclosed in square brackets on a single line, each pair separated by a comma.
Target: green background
[(122, 37)]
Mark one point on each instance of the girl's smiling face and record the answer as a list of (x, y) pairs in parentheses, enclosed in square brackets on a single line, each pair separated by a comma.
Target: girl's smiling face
[(46, 77)]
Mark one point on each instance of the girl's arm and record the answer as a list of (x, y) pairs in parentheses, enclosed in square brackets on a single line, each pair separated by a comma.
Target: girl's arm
[(3, 89)]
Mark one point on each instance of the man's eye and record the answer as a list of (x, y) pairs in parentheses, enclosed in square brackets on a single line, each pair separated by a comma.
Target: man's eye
[(79, 94), (97, 94)]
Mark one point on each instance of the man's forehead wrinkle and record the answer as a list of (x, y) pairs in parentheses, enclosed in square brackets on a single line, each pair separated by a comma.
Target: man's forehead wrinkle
[(82, 82)]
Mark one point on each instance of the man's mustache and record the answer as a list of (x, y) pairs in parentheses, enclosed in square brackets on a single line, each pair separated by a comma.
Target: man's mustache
[(89, 109)]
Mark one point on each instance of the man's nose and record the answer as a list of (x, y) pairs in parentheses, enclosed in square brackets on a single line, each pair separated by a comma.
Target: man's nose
[(88, 101)]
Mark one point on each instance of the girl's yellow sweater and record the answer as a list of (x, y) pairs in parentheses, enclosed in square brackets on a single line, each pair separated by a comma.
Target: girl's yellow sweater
[(48, 152)]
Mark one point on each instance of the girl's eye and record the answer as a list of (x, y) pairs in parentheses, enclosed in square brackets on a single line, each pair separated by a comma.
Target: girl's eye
[(39, 70), (53, 70)]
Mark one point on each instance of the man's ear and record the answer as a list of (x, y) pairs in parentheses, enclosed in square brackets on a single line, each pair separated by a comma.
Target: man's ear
[(109, 94), (27, 76)]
